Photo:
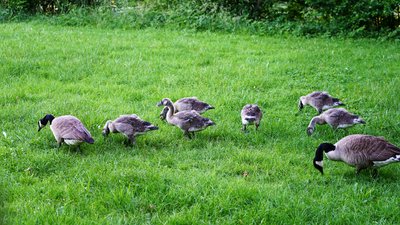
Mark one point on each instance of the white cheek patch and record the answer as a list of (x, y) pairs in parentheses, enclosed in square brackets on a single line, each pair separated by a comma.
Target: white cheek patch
[(320, 163)]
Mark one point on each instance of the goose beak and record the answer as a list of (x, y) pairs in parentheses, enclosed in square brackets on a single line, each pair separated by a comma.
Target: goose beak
[(362, 121), (159, 104), (39, 129)]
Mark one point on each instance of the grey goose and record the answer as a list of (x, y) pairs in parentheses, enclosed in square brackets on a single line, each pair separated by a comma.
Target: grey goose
[(359, 151), (67, 129)]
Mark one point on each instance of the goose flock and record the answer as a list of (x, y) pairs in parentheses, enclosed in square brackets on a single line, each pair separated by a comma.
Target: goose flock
[(359, 151)]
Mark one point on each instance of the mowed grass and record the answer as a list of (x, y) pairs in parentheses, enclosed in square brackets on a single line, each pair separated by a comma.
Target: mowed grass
[(222, 176)]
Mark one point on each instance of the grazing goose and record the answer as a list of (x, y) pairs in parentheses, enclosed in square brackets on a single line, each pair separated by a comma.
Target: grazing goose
[(67, 129), (187, 104), (188, 121), (129, 125), (319, 100), (359, 151), (251, 114), (336, 118)]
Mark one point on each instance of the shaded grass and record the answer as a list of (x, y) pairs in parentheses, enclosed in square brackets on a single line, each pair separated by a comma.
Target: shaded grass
[(222, 176)]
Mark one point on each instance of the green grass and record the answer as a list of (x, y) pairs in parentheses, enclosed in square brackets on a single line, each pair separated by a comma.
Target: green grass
[(98, 74)]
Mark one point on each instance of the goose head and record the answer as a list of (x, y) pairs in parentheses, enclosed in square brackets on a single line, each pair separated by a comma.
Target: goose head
[(337, 102), (43, 122), (319, 157), (358, 120), (106, 129), (301, 102), (148, 126), (165, 102)]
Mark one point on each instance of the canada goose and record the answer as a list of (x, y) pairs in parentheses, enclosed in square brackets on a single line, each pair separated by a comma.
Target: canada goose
[(129, 125), (187, 104), (359, 151), (67, 129), (336, 118), (319, 100), (251, 114), (188, 121)]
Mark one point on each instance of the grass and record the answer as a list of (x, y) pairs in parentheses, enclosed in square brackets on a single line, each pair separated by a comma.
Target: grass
[(98, 74)]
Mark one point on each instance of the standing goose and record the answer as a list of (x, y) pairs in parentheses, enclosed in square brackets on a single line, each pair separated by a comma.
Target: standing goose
[(129, 125), (336, 118), (67, 129), (251, 114), (359, 151), (319, 100), (187, 104), (188, 121)]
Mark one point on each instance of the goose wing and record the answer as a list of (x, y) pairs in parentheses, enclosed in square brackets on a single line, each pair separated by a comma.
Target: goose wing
[(71, 128), (188, 116), (381, 149)]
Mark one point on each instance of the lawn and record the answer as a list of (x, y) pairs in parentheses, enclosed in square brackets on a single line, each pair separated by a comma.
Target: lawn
[(222, 176)]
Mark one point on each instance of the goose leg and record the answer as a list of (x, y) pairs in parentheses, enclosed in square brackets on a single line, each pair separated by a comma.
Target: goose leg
[(257, 126), (358, 169), (374, 173), (187, 134), (78, 149), (132, 140), (59, 142), (244, 127)]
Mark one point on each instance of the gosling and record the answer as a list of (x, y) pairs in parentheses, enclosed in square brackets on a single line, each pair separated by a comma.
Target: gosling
[(129, 125), (187, 104), (336, 118), (319, 100), (188, 121), (251, 114)]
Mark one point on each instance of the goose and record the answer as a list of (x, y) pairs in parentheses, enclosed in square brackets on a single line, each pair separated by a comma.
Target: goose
[(187, 104), (129, 125), (251, 114), (360, 151), (320, 100), (188, 121), (336, 118), (67, 129)]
